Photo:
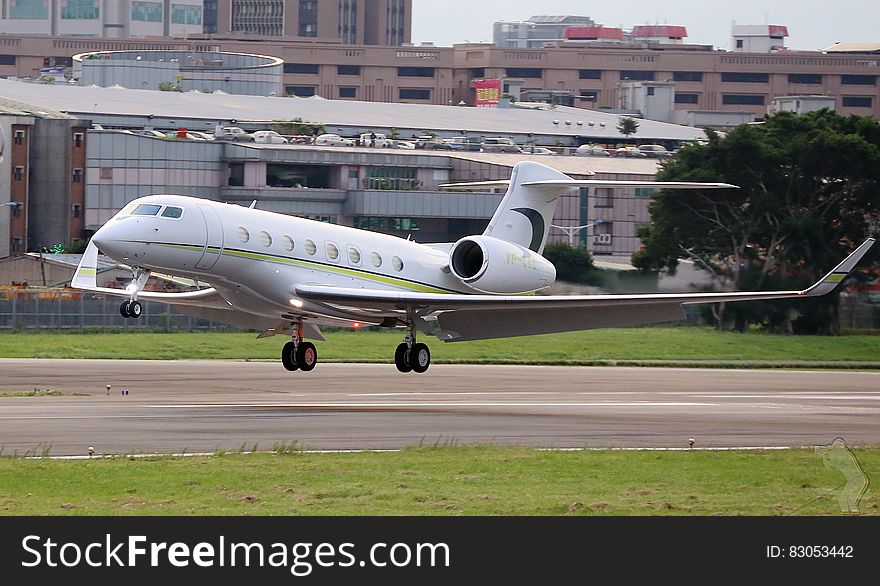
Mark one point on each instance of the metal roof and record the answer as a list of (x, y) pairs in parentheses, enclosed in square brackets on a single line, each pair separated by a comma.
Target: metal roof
[(559, 121), (854, 47)]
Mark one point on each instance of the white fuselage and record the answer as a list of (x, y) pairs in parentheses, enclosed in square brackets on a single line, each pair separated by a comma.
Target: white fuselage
[(256, 258)]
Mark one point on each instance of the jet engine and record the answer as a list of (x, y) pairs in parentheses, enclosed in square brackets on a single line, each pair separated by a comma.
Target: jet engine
[(490, 265)]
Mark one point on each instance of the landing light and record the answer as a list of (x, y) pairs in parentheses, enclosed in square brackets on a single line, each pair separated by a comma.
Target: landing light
[(296, 303), (356, 325)]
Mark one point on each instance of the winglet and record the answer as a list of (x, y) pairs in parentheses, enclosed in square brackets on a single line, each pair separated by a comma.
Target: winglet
[(839, 273), (86, 273)]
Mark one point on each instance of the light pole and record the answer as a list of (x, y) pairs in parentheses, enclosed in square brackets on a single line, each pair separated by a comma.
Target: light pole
[(571, 231)]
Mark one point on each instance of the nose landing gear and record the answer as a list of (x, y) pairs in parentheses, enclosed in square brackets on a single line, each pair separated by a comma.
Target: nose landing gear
[(411, 356), (133, 308), (299, 355)]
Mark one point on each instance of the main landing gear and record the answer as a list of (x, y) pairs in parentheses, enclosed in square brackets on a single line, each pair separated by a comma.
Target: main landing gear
[(299, 355), (412, 356)]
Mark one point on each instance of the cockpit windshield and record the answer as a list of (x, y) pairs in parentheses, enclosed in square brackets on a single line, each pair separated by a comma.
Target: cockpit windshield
[(172, 212), (146, 209)]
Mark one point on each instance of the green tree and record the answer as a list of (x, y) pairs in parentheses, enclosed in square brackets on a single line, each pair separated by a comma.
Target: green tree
[(297, 126), (808, 187), (627, 126), (572, 264)]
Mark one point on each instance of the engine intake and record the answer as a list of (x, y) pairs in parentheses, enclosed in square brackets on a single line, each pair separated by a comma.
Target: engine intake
[(490, 265)]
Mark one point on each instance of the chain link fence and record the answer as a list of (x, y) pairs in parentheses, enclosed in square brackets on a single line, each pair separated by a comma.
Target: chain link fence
[(93, 311)]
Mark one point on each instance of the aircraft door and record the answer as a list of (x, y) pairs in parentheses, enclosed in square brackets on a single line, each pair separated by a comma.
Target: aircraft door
[(214, 243)]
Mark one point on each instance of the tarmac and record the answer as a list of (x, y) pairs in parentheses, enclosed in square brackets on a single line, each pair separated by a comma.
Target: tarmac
[(204, 406)]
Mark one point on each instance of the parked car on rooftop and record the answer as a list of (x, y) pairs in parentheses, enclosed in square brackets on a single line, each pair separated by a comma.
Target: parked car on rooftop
[(268, 137), (333, 140), (629, 152), (655, 150), (589, 150)]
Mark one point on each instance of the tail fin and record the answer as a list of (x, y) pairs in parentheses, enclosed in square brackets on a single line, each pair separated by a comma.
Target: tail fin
[(525, 213)]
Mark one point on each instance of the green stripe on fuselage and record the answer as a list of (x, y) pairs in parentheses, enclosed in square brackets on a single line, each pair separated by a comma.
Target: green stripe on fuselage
[(349, 272)]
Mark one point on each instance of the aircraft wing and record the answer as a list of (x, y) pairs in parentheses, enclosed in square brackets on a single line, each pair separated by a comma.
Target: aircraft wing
[(551, 183), (475, 317), (85, 278)]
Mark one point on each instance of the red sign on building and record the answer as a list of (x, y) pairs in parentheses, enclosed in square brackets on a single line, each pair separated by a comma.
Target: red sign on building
[(488, 93)]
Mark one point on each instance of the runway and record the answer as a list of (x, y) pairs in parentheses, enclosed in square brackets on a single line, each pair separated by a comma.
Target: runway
[(202, 406)]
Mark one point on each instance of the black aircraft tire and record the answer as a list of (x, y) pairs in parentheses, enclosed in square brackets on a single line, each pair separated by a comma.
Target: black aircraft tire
[(401, 358), (420, 358), (288, 357), (306, 356)]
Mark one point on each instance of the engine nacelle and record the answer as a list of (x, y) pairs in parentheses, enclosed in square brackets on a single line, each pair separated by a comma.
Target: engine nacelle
[(490, 265)]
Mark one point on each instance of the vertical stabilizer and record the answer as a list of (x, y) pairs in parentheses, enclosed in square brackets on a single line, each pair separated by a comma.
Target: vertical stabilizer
[(525, 213)]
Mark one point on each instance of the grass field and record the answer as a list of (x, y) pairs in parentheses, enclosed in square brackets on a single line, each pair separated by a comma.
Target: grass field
[(670, 343), (441, 481)]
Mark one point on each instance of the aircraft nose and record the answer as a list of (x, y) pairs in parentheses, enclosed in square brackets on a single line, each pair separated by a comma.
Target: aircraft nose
[(110, 240)]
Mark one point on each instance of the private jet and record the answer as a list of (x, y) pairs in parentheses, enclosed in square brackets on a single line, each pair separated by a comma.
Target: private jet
[(281, 274)]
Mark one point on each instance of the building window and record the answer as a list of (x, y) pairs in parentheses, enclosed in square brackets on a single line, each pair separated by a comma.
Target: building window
[(651, 90), (78, 139), (384, 224), (308, 18), (477, 72), (28, 10), (743, 100), (858, 102), (348, 70), (19, 137), (106, 173), (7, 59), (16, 243), (527, 72), (80, 10), (301, 91), (644, 191), (858, 79), (637, 75), (805, 78), (307, 68), (687, 76), (398, 178), (415, 72), (76, 210), (744, 77), (590, 74), (604, 197), (186, 14), (589, 95), (348, 92), (146, 11), (210, 17), (414, 94), (77, 175), (18, 173), (682, 98), (739, 44)]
